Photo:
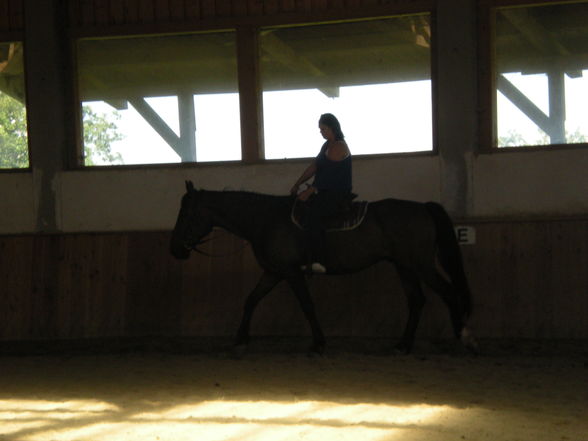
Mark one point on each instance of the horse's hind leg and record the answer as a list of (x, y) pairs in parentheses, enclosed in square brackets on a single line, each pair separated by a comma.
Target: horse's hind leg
[(450, 297), (267, 282), (298, 285), (416, 301)]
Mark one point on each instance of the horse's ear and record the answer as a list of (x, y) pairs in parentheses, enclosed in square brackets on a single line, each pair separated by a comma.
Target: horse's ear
[(189, 186)]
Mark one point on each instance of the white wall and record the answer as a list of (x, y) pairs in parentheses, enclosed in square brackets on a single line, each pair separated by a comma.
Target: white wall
[(505, 184), (539, 183), (148, 199), (17, 203)]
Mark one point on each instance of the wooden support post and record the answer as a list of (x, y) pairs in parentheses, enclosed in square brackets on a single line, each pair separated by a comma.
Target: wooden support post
[(250, 95), (455, 67), (157, 123), (49, 105), (524, 104), (557, 107), (187, 118)]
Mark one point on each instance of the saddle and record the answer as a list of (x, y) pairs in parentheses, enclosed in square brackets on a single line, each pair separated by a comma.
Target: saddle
[(350, 217)]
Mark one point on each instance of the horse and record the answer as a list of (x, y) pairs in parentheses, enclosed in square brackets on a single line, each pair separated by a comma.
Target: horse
[(418, 238)]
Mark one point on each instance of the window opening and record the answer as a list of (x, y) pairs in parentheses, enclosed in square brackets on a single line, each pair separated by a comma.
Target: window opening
[(374, 75), (542, 75), (160, 99), (14, 153)]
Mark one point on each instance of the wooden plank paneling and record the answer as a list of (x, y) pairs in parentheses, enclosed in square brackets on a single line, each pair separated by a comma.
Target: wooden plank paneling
[(486, 278), (271, 7), (87, 13), (162, 11), (47, 256), (117, 12), (207, 8), (528, 279), (16, 18), (192, 9), (569, 289), (223, 8), (195, 286), (304, 6), (255, 7), (239, 8), (4, 15), (153, 297), (102, 12), (177, 10), (352, 3), (131, 11), (319, 5), (16, 265), (146, 11), (109, 17), (288, 5)]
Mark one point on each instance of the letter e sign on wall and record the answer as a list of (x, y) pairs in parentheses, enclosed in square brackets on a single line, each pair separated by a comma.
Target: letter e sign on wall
[(465, 235)]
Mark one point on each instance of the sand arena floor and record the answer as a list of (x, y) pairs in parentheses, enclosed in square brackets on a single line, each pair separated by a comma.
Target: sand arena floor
[(510, 394)]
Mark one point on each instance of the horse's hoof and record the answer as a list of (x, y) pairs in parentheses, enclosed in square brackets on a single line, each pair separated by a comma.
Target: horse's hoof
[(401, 349), (316, 350), (238, 351), (469, 342)]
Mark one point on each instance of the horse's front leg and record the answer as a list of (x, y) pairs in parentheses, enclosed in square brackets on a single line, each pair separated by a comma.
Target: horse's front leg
[(416, 301), (300, 288), (266, 283)]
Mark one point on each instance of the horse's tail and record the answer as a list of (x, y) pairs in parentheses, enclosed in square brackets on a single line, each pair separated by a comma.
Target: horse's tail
[(449, 254)]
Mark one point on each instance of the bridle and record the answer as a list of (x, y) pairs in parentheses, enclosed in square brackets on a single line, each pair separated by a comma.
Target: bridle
[(209, 239)]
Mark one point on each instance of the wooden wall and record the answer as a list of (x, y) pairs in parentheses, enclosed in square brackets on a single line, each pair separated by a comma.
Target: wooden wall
[(11, 17), (109, 13), (529, 280)]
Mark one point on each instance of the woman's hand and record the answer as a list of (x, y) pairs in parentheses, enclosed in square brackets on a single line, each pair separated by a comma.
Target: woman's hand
[(303, 196)]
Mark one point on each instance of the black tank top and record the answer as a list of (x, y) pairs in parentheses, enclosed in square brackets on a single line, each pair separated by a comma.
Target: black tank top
[(332, 175)]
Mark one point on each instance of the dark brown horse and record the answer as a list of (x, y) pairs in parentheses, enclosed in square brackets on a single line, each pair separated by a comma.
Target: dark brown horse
[(416, 237)]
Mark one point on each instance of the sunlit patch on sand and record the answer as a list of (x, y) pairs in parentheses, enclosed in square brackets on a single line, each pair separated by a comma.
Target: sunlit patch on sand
[(28, 416), (211, 421)]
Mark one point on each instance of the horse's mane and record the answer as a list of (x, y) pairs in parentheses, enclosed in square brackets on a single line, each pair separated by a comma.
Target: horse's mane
[(253, 199)]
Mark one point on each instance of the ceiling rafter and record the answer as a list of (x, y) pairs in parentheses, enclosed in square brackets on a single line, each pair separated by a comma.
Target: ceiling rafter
[(286, 55)]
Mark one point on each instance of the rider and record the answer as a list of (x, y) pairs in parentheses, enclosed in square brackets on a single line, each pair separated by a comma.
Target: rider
[(331, 187)]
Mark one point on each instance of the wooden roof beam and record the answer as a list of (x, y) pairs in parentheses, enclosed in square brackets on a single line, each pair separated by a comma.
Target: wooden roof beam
[(283, 53), (537, 35)]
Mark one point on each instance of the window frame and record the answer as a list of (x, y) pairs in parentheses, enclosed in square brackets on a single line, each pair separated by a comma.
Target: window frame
[(77, 157), (433, 86), (247, 31), (487, 91), (18, 37)]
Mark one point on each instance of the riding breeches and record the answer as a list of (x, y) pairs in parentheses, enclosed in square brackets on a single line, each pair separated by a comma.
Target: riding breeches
[(322, 205)]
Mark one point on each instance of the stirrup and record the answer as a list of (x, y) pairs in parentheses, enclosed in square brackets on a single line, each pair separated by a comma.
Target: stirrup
[(316, 268)]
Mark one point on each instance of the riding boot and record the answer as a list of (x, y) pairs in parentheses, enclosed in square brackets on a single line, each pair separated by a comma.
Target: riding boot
[(318, 252), (319, 207), (309, 255)]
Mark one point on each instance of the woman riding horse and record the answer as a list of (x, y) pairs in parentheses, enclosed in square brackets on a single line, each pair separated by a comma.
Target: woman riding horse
[(330, 190)]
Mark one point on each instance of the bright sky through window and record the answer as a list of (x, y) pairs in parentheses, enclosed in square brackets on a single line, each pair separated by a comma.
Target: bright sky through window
[(385, 118)]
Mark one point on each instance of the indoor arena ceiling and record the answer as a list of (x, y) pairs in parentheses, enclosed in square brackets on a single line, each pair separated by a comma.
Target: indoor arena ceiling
[(380, 51)]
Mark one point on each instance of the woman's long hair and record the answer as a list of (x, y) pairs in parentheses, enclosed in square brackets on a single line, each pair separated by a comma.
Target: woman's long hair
[(329, 120)]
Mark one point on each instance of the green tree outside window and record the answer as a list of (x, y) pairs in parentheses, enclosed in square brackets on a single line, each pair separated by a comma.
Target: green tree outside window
[(100, 131)]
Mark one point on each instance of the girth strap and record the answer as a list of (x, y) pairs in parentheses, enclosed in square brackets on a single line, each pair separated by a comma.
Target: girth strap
[(343, 221)]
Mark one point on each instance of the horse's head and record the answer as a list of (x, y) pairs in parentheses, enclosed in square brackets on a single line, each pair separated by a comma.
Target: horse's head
[(193, 224)]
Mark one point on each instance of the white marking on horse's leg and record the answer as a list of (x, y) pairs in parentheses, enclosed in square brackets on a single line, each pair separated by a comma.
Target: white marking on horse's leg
[(467, 339)]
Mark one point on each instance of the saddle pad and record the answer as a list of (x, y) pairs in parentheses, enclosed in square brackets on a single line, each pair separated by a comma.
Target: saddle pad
[(346, 220)]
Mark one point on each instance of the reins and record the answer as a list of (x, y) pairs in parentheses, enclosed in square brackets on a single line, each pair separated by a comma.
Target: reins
[(204, 253)]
